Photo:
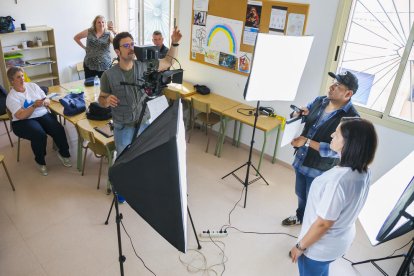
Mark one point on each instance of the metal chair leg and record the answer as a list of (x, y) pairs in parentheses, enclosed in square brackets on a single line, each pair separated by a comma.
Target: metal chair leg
[(100, 170), (18, 149), (8, 133), (8, 176), (84, 161)]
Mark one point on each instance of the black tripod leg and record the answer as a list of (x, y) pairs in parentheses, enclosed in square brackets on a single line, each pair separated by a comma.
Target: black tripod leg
[(118, 231), (192, 224), (260, 175), (245, 164), (110, 210)]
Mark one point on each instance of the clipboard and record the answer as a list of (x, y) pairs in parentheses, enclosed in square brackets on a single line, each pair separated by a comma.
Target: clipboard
[(105, 131), (292, 129)]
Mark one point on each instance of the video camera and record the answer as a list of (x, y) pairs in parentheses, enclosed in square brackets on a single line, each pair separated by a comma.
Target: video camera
[(154, 81)]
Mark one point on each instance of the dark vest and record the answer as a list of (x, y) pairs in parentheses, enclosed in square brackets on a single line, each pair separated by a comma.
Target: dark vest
[(130, 97), (323, 134)]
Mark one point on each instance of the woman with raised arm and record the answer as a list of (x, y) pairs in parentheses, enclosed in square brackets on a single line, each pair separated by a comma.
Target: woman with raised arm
[(98, 40)]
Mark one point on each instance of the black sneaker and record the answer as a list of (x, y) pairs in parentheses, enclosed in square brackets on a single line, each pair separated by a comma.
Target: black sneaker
[(292, 220)]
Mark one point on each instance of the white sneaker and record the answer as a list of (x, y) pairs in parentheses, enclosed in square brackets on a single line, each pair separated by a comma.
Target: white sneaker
[(43, 170), (65, 161)]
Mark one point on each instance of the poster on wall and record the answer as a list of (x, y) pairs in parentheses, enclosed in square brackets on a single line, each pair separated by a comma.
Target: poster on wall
[(228, 61), (278, 19), (253, 14), (199, 39), (200, 18), (223, 34), (201, 5), (212, 57), (295, 24), (244, 62)]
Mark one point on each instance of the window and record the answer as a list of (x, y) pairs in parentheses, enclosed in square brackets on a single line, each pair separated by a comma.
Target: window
[(375, 42), (142, 17)]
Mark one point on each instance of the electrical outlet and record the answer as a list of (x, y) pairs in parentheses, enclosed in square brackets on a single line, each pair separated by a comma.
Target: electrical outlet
[(213, 234)]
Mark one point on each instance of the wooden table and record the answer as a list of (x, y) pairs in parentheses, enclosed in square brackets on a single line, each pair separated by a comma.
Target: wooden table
[(186, 89), (89, 90), (264, 123), (218, 104)]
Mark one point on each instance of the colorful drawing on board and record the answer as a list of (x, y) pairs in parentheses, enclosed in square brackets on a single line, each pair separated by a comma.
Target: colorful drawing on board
[(228, 61), (199, 39), (212, 57), (223, 34), (245, 59)]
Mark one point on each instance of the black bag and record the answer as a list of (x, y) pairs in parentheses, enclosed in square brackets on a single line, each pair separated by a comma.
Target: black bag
[(73, 104), (6, 24), (98, 113), (202, 89), (3, 96)]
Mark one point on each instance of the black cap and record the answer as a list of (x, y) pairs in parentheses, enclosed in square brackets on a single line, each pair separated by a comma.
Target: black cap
[(347, 78)]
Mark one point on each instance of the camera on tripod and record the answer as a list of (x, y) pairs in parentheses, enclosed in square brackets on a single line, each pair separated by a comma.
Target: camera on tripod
[(153, 80)]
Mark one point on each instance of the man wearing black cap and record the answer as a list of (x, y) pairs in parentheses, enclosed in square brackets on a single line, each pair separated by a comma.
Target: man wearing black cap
[(313, 154)]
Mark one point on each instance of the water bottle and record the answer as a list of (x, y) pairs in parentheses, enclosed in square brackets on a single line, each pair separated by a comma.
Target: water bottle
[(96, 82)]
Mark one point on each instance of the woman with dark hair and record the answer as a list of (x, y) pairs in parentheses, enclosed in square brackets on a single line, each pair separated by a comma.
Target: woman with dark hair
[(98, 40), (336, 198)]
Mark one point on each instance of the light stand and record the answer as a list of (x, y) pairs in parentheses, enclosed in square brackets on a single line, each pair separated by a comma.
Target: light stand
[(408, 258), (246, 181)]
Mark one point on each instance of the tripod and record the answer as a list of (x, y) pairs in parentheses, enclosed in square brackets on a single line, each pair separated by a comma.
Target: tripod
[(118, 188), (246, 181), (405, 266)]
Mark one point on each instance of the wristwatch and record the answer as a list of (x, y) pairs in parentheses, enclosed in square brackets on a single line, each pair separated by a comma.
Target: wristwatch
[(299, 247), (307, 144)]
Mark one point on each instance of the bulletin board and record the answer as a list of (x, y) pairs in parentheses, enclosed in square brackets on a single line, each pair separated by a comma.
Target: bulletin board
[(223, 34)]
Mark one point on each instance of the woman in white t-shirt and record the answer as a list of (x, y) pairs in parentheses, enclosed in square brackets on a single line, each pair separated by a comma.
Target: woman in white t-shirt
[(32, 121), (335, 199)]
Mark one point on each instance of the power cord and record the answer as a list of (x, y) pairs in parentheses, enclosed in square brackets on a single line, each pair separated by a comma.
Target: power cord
[(250, 111), (136, 254), (392, 254), (229, 226), (203, 267)]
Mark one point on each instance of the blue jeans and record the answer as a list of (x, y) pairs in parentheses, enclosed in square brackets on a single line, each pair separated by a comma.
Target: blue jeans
[(123, 135), (309, 267), (302, 186)]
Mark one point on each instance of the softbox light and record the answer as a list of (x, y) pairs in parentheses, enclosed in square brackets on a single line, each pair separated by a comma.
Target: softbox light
[(277, 67), (151, 175), (382, 215)]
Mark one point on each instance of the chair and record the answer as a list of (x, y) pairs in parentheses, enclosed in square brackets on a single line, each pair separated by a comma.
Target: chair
[(5, 169), (18, 138), (79, 69), (99, 149), (4, 118), (205, 115)]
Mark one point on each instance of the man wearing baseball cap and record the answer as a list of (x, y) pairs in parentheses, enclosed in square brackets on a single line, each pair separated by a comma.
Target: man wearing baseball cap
[(313, 154)]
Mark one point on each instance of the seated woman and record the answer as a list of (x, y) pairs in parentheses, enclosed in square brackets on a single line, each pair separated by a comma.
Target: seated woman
[(336, 198), (31, 119)]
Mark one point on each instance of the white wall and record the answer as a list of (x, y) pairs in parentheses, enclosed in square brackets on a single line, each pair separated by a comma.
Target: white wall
[(320, 23), (66, 17)]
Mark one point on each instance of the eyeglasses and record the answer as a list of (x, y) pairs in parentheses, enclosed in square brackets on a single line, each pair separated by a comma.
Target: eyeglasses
[(128, 45)]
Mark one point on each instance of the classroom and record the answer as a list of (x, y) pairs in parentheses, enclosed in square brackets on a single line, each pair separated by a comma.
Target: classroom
[(54, 224)]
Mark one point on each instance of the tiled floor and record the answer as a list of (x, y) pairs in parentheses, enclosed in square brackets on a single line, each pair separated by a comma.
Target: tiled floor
[(53, 225)]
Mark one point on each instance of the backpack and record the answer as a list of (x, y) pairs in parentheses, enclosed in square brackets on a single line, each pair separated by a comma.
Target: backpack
[(6, 24), (3, 96)]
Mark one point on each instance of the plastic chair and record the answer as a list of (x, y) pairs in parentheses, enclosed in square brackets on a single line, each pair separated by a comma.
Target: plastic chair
[(205, 115), (4, 118), (79, 69), (5, 169), (99, 149)]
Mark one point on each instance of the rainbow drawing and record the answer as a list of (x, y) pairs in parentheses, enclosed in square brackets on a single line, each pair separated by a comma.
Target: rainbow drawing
[(228, 32)]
